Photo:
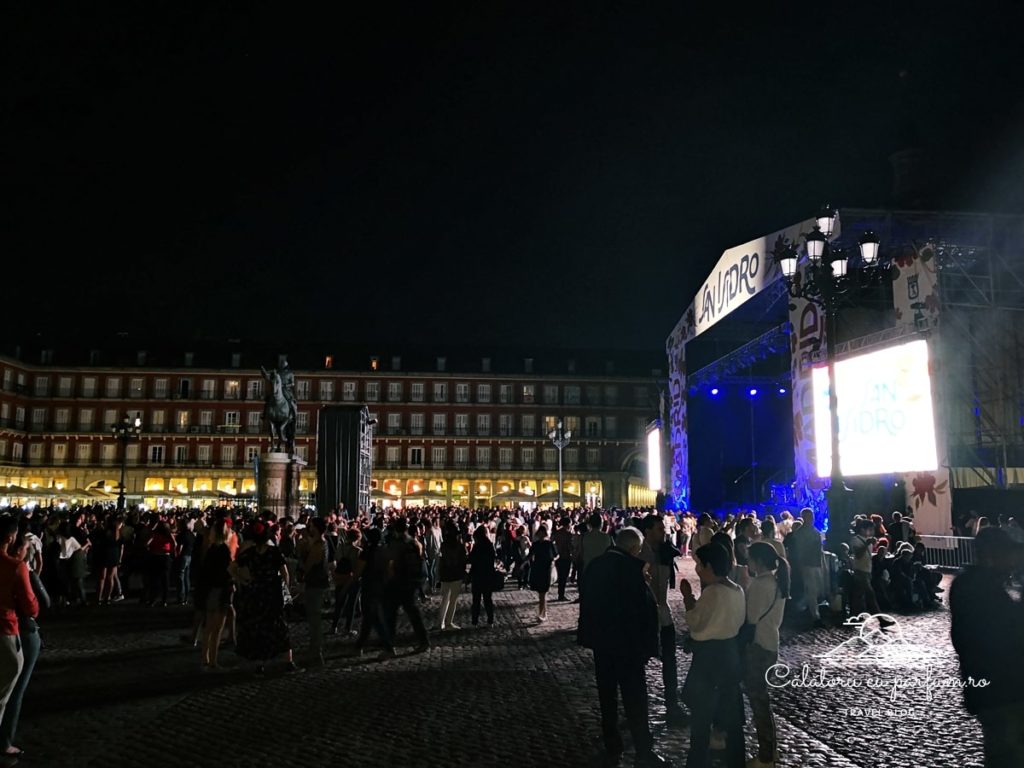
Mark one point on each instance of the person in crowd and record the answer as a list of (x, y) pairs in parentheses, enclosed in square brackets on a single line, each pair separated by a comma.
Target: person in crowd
[(161, 548), (987, 631), (659, 557), (770, 534), (712, 687), (31, 645), (316, 581), (482, 575), (348, 567), (542, 556), (184, 546), (766, 603), (521, 556), (619, 622), (452, 570), (73, 562), (404, 573), (215, 587), (562, 539), (898, 531), (107, 552), (807, 550), (705, 530), (373, 568), (595, 541), (862, 592), (17, 598), (261, 575), (432, 551)]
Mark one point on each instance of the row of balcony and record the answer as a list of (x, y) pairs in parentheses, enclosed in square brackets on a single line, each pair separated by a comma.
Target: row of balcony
[(207, 395), (459, 432), (240, 462)]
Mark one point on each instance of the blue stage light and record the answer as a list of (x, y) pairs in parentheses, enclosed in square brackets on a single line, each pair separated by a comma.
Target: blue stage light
[(714, 391), (753, 392), (782, 390)]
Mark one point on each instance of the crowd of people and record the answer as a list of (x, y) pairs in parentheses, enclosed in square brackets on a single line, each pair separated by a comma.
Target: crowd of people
[(246, 576)]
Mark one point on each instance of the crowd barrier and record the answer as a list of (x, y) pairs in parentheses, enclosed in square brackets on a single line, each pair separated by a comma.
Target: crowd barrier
[(953, 552)]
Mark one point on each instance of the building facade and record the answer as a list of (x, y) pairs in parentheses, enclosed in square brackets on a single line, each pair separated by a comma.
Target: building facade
[(442, 436)]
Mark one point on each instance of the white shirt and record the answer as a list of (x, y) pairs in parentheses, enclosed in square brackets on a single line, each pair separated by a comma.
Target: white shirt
[(761, 593), (719, 613)]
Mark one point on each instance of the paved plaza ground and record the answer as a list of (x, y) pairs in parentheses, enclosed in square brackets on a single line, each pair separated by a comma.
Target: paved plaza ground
[(116, 686)]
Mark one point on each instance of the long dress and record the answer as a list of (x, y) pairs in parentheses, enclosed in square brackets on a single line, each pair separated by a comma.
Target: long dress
[(262, 631)]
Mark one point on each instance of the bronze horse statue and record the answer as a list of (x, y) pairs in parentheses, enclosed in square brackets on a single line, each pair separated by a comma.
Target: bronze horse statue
[(279, 413)]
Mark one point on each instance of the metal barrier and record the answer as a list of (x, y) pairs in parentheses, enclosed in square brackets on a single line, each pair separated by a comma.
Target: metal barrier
[(953, 552)]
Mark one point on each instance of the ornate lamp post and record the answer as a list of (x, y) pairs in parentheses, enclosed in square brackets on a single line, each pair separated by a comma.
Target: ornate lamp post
[(828, 281), (125, 432), (560, 437)]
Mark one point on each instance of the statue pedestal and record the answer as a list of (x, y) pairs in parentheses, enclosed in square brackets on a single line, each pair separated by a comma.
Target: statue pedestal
[(280, 474)]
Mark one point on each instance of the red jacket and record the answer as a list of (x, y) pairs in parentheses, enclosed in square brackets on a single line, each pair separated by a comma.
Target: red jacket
[(16, 595)]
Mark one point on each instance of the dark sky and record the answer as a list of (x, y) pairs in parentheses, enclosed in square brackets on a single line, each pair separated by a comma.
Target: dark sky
[(558, 174)]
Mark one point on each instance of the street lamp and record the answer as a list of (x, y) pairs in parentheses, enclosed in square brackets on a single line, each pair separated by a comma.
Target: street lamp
[(128, 430), (828, 281), (560, 437)]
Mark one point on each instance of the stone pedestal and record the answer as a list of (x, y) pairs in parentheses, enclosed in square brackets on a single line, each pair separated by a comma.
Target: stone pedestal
[(279, 483)]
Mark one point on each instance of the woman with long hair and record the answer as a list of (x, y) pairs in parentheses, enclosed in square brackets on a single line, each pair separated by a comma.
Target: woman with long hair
[(31, 644), (108, 557), (214, 587), (452, 573), (542, 557), (766, 604)]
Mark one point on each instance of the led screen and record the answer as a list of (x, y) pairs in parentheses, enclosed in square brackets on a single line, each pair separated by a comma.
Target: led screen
[(654, 459), (884, 402)]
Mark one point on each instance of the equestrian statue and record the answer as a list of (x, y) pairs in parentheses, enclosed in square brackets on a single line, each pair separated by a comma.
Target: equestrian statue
[(279, 409)]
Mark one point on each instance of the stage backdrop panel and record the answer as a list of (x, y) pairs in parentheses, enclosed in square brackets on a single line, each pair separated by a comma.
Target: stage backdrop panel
[(915, 296)]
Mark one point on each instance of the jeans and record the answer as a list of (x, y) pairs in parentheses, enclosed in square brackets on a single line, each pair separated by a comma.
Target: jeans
[(757, 662), (562, 567), (345, 605), (863, 594), (712, 692), (314, 600), (373, 618), (11, 664), (405, 598), (617, 673), (449, 598), (30, 646), (432, 573), (184, 566), (480, 593), (669, 667)]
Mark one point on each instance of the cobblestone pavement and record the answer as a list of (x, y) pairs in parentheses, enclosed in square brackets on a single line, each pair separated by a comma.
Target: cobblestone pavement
[(116, 686)]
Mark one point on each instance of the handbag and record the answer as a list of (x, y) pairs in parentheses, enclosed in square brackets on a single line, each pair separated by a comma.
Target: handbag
[(746, 634)]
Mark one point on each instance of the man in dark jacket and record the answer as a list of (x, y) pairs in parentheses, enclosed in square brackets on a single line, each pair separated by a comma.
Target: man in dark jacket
[(988, 633), (619, 622)]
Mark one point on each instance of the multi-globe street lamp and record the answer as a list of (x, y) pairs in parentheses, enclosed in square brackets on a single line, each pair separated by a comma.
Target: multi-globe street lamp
[(560, 437), (129, 429), (829, 279)]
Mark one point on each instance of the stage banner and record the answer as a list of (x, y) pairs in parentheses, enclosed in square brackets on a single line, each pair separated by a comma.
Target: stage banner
[(678, 491), (807, 350), (915, 297)]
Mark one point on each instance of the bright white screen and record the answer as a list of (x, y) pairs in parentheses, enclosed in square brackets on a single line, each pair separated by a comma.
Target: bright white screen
[(654, 459), (885, 413)]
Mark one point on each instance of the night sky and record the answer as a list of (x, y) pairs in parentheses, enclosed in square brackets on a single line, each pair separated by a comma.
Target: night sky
[(557, 174)]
